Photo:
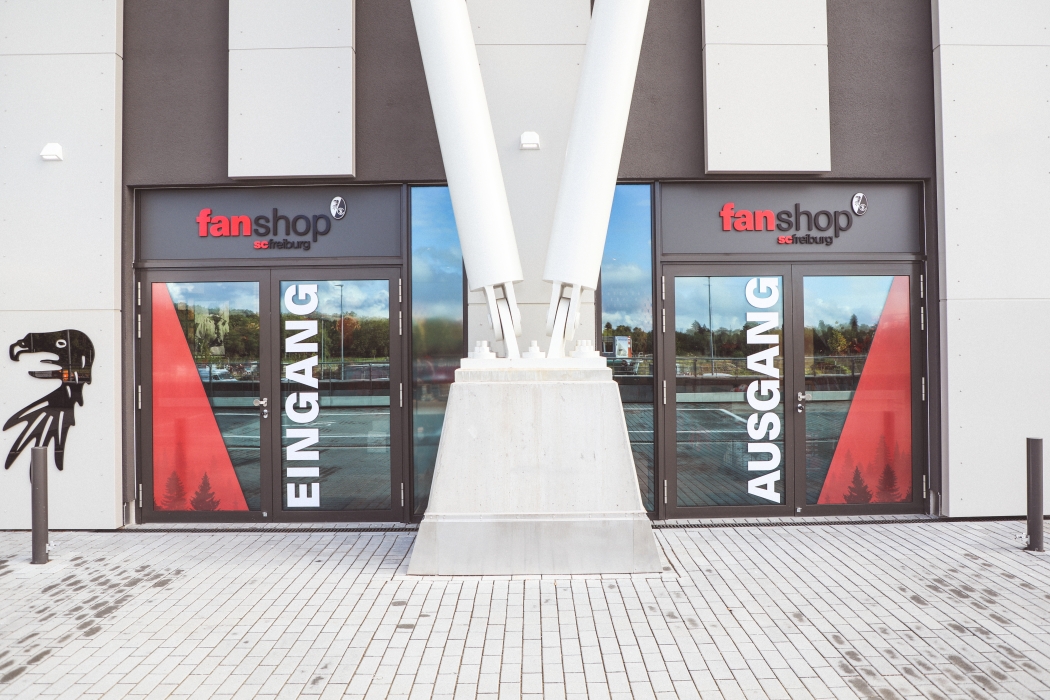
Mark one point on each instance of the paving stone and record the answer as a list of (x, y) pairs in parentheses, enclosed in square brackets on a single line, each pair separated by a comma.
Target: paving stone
[(883, 609)]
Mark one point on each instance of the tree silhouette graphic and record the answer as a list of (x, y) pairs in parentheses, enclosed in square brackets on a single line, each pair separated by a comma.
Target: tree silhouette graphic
[(887, 485), (174, 493), (204, 499), (858, 490)]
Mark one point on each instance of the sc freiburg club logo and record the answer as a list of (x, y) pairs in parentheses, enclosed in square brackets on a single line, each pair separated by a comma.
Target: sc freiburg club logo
[(50, 417)]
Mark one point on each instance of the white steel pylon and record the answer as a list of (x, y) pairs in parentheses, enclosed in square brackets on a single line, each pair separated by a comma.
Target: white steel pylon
[(592, 160), (534, 472), (468, 150)]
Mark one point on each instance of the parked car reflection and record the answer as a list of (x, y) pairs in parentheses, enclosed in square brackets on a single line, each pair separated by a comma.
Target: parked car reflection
[(211, 373)]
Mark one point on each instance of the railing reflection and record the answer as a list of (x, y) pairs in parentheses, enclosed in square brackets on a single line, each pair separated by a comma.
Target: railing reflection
[(353, 378), (347, 378), (641, 365), (823, 372), (635, 377), (687, 366), (433, 378)]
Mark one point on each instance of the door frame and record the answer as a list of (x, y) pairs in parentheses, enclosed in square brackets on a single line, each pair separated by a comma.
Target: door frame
[(918, 421), (269, 279), (793, 349), (398, 349), (146, 511)]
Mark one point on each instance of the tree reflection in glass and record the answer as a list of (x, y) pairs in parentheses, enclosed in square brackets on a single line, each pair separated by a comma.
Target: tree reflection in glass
[(712, 377), (347, 350)]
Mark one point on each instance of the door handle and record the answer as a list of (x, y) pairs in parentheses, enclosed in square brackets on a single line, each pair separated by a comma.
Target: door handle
[(805, 397), (260, 402)]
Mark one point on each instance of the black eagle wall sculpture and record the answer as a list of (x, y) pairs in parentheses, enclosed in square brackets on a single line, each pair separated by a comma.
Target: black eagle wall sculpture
[(50, 417)]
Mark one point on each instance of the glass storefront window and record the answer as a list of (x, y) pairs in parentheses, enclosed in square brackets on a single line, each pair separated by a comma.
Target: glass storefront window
[(627, 321), (437, 326), (626, 300)]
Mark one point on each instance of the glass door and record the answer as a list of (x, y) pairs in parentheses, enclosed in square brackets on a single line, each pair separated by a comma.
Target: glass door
[(861, 403), (272, 395), (340, 395), (795, 389), (203, 397), (724, 414)]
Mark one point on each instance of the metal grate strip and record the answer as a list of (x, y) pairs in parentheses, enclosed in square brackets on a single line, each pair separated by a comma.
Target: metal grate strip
[(254, 530), (657, 525)]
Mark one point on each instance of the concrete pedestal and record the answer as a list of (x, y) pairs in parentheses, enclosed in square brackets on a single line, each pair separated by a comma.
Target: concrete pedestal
[(534, 475)]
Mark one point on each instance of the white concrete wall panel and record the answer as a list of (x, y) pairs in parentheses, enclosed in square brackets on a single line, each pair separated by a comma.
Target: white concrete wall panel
[(768, 22), (992, 87), (61, 26), (61, 77), (281, 24), (291, 89), (992, 407), (64, 213), (522, 96), (291, 112), (766, 94), (767, 108), (530, 55), (995, 156), (529, 21), (87, 493), (983, 23)]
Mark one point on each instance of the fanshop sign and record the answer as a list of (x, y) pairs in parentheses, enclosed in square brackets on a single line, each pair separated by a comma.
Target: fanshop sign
[(306, 228), (787, 220), (814, 218), (266, 222)]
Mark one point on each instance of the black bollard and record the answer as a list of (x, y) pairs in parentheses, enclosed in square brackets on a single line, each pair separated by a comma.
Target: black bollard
[(38, 479), (1035, 495)]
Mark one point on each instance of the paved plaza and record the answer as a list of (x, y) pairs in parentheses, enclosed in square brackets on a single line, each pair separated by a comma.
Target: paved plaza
[(876, 609)]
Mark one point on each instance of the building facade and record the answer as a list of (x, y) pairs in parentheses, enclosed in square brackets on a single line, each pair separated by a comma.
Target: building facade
[(229, 223)]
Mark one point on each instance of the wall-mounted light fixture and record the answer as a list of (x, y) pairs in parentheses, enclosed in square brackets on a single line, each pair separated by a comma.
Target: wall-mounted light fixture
[(530, 141), (52, 151)]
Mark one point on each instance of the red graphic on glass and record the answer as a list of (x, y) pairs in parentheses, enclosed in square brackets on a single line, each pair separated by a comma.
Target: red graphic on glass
[(872, 462), (191, 467)]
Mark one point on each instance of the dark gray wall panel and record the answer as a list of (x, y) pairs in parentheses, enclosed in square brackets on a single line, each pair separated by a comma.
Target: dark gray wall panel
[(665, 131), (175, 91), (175, 87), (881, 78), (396, 136), (881, 92)]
